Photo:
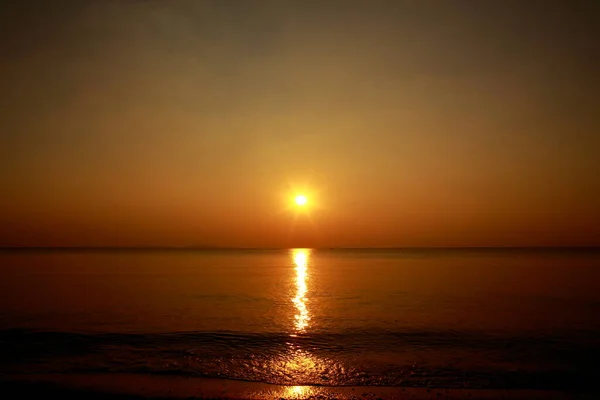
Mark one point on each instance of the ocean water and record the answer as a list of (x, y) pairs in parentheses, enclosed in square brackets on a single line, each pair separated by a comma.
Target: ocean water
[(436, 318)]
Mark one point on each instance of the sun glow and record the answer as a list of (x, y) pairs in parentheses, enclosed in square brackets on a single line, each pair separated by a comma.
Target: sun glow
[(301, 200)]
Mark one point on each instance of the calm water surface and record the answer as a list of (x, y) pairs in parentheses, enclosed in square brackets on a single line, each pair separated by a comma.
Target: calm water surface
[(503, 319)]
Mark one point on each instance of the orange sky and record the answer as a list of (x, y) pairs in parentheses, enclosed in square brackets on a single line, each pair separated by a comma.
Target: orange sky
[(458, 123)]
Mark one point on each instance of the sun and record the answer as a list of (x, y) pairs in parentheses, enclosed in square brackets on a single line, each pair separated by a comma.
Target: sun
[(301, 200)]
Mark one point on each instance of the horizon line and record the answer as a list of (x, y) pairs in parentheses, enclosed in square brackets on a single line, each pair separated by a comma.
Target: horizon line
[(199, 247)]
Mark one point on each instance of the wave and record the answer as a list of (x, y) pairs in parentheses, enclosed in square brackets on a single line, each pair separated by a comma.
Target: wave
[(359, 357)]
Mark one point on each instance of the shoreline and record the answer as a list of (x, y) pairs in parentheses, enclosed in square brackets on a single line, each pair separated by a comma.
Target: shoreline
[(124, 386)]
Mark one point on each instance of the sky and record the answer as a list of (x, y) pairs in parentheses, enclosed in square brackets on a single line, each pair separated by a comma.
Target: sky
[(194, 123)]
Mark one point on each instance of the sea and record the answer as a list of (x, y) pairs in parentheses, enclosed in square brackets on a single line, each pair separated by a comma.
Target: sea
[(446, 318)]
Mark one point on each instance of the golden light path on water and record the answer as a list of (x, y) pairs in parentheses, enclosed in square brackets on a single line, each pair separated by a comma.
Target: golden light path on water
[(298, 366), (300, 258)]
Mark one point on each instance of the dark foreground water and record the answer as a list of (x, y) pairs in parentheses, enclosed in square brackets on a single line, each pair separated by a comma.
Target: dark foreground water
[(478, 319)]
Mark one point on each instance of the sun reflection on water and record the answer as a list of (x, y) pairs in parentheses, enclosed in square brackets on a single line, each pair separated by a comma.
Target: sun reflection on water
[(297, 392), (298, 365), (300, 258)]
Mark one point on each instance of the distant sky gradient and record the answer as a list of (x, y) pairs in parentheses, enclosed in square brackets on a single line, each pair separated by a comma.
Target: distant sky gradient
[(408, 123)]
